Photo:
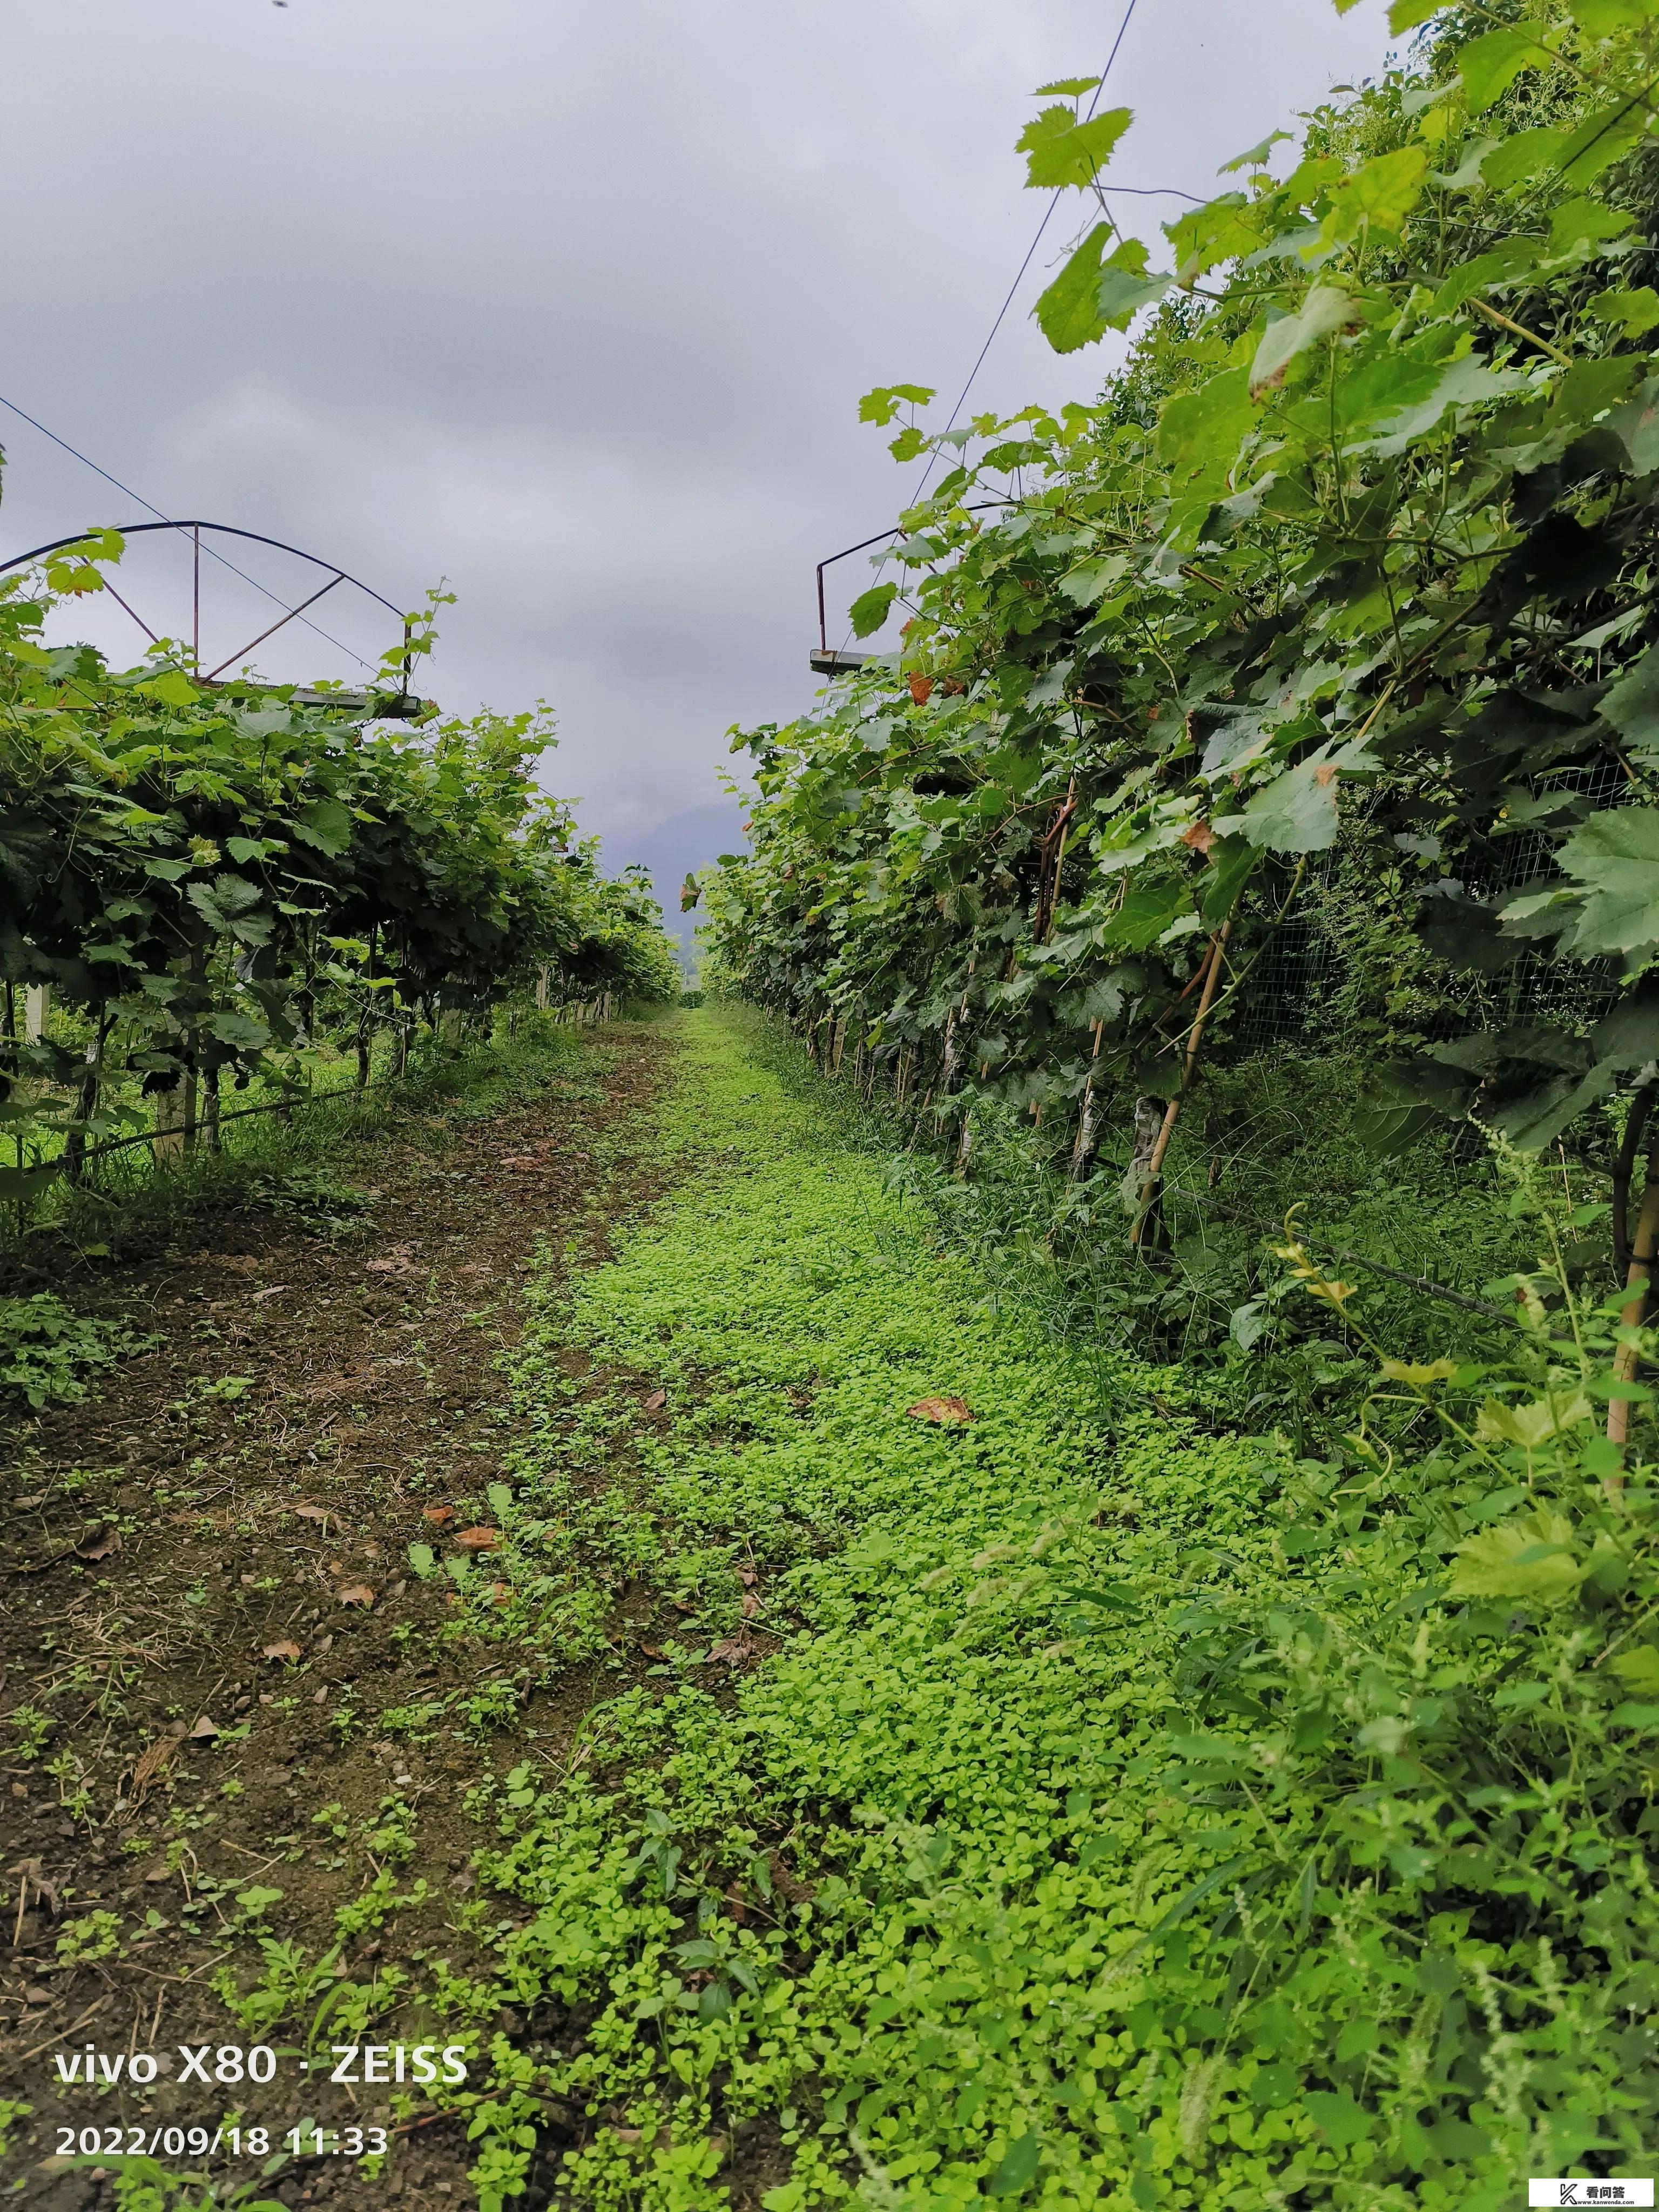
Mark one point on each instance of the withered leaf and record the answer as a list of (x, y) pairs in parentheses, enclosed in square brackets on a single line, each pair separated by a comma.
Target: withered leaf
[(438, 1514), (151, 1760), (478, 1540), (97, 1544), (285, 1649), (943, 1411), (313, 1513), (202, 1730), (356, 1594), (730, 1649), (656, 1402)]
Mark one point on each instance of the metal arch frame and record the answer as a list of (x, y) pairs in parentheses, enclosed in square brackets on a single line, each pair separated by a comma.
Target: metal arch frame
[(195, 527), (897, 530)]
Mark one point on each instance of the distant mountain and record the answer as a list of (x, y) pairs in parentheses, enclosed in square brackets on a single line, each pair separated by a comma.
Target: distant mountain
[(677, 848)]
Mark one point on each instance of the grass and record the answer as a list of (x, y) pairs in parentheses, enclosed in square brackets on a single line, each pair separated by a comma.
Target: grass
[(291, 1166), (1045, 1830)]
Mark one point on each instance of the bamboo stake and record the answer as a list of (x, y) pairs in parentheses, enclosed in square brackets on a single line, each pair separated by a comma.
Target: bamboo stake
[(1194, 1039), (1644, 1248), (1085, 1121)]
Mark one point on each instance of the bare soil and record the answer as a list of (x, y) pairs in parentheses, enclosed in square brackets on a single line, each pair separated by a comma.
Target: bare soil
[(207, 1598)]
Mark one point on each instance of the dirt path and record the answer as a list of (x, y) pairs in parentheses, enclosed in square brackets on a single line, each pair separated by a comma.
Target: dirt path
[(209, 1614)]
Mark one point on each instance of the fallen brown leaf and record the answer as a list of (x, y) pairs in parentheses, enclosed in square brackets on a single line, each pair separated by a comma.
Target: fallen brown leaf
[(656, 1402), (501, 1593), (275, 1291), (943, 1412), (202, 1728), (478, 1540), (97, 1544), (285, 1649), (730, 1649), (313, 1513), (751, 1604), (437, 1515), (356, 1594), (151, 1760)]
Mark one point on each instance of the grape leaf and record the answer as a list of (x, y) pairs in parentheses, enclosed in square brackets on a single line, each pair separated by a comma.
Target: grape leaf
[(1060, 151)]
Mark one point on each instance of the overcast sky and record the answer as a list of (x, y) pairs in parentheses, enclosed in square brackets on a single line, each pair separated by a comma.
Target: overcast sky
[(570, 305)]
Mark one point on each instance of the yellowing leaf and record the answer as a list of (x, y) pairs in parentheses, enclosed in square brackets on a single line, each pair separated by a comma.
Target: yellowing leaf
[(1405, 1371), (1378, 196), (1639, 1667), (1529, 1558), (1528, 1426)]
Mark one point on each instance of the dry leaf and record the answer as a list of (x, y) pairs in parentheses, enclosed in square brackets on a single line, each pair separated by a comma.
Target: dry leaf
[(478, 1540), (656, 1402), (501, 1593), (202, 1728), (151, 1760), (275, 1291), (945, 1412), (97, 1544), (745, 1576), (285, 1649), (28, 1504), (751, 1604), (313, 1513), (437, 1515), (922, 688), (1199, 836), (356, 1594), (729, 1648)]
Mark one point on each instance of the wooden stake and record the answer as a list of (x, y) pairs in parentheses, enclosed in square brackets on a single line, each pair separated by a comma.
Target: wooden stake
[(1644, 1248), (1195, 1038)]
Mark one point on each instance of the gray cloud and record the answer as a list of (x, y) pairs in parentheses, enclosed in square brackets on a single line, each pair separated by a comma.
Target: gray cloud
[(569, 304)]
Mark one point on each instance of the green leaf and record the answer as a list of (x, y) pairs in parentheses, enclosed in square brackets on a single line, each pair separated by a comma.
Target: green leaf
[(1378, 196), (1018, 2167), (871, 609), (1068, 313), (1060, 151), (1581, 224), (1068, 88), (171, 688), (1614, 857), (1637, 423), (1639, 1668), (1522, 156), (1536, 1119), (881, 405), (1202, 428), (1489, 65), (1295, 813), (1406, 14), (1325, 310), (1125, 286), (1530, 1559), (1221, 230), (1602, 139), (1337, 2117), (1253, 157), (325, 825), (1635, 313)]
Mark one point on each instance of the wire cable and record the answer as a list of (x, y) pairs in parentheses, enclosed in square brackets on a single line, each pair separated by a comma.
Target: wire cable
[(1053, 201), (276, 601)]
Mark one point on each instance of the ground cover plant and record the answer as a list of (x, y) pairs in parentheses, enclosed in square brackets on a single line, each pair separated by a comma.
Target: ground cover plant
[(1106, 1806)]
